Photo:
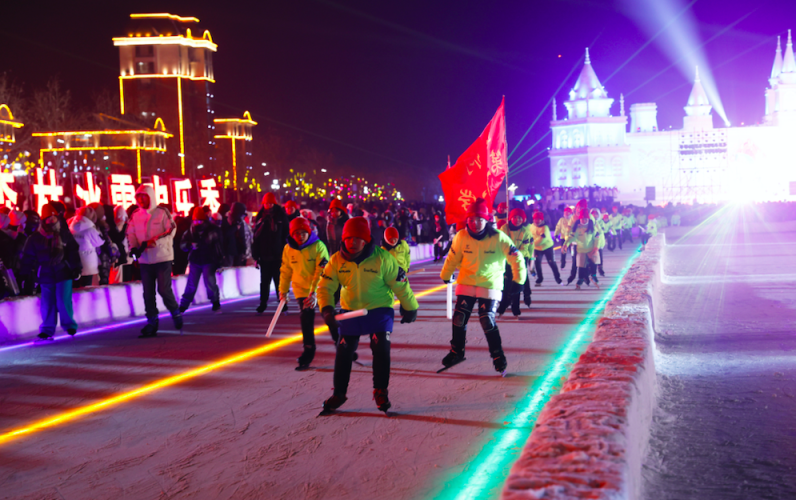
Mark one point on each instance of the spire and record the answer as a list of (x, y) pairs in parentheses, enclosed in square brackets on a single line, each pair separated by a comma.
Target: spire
[(621, 104), (554, 109), (788, 62), (588, 85), (588, 60), (698, 104), (777, 69)]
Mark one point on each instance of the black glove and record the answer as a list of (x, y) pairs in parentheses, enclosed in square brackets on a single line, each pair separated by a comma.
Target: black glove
[(408, 316), (328, 314), (447, 282)]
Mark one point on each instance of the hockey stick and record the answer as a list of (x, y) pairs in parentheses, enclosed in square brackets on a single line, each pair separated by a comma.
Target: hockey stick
[(276, 318)]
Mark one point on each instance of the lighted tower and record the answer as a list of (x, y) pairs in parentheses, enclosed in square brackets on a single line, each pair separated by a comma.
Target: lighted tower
[(781, 95), (698, 109), (235, 158), (166, 72), (589, 145)]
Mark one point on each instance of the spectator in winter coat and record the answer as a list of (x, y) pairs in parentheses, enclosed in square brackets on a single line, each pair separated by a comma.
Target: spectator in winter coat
[(441, 237), (150, 233), (89, 239), (118, 235), (233, 234), (108, 253), (203, 241), (334, 227), (7, 256), (270, 237), (55, 262), (292, 210), (180, 258)]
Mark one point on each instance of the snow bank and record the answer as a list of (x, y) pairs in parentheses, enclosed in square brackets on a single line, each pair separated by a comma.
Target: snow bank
[(589, 440), (20, 317)]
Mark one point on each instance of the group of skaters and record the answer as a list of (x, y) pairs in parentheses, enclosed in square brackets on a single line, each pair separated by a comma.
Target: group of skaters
[(359, 265)]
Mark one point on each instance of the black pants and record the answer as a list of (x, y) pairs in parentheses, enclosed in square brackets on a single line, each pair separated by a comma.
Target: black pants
[(610, 242), (600, 265), (208, 272), (645, 237), (548, 254), (379, 346), (574, 271), (486, 314), (307, 319), (158, 274), (269, 271), (627, 234)]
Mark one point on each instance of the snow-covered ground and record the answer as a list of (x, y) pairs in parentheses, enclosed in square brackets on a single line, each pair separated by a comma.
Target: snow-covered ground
[(724, 427), (250, 430)]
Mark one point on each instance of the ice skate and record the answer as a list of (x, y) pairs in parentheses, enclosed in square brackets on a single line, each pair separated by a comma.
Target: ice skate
[(500, 364), (451, 359), (261, 308), (382, 401), (44, 337), (333, 403), (150, 330), (305, 359)]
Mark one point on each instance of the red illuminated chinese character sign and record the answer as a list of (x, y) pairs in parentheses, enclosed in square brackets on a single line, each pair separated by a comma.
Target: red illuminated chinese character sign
[(46, 192), (161, 190), (122, 190), (91, 194), (209, 195), (182, 195), (8, 197)]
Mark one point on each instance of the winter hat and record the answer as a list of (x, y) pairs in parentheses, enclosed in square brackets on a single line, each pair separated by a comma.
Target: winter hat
[(48, 211), (4, 220), (391, 234), (238, 210), (357, 227), (199, 214), (120, 214), (502, 208), (17, 218), (60, 208), (567, 210), (652, 216), (501, 223), (605, 216), (518, 212), (583, 214), (595, 211), (537, 215), (299, 224), (336, 204), (479, 208), (291, 204), (270, 198)]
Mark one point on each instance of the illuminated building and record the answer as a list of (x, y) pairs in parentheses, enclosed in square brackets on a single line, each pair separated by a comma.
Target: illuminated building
[(166, 72), (7, 127), (234, 157), (696, 163)]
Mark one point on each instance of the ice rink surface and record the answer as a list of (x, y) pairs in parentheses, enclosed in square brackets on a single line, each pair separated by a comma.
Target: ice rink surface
[(724, 427), (250, 429)]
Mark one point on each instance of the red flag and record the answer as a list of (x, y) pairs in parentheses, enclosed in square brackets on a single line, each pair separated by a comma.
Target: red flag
[(478, 172)]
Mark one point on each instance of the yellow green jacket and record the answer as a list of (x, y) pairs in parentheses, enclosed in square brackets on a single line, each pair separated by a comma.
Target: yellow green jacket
[(600, 229), (521, 239), (401, 254), (628, 222), (615, 222), (541, 237), (482, 262), (563, 227), (302, 266), (372, 282), (652, 228), (642, 219), (582, 238)]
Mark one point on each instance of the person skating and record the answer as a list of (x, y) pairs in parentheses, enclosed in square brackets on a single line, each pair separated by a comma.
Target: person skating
[(203, 241), (441, 237), (651, 230), (480, 252), (518, 229), (600, 230), (55, 262), (583, 238), (303, 260), (573, 249), (370, 279), (334, 228), (396, 247), (614, 224), (270, 238), (543, 247), (150, 233), (562, 233), (628, 221)]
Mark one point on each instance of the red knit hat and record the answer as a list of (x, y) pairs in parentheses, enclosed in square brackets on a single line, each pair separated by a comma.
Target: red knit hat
[(567, 210), (337, 204), (199, 213), (357, 227), (606, 216), (582, 204), (518, 212), (391, 233), (299, 224), (652, 216), (537, 215), (270, 198), (583, 213), (502, 208), (501, 223), (479, 208), (47, 211), (291, 203)]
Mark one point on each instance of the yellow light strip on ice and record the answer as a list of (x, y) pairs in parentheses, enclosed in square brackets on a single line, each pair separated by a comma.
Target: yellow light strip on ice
[(70, 415)]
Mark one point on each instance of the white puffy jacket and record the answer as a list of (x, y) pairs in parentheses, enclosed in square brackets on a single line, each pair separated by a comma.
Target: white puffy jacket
[(152, 223), (88, 239)]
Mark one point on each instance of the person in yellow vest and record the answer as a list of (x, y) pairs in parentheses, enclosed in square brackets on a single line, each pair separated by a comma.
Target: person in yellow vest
[(600, 230), (562, 233), (371, 279), (520, 233), (628, 221), (303, 260), (480, 252), (396, 247), (543, 247), (583, 238), (614, 225), (651, 230), (580, 205)]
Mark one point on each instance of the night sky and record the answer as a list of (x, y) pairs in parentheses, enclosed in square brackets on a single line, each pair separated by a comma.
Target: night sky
[(400, 85)]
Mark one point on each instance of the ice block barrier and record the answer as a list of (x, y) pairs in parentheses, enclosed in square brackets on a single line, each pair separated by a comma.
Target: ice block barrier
[(590, 439), (20, 317)]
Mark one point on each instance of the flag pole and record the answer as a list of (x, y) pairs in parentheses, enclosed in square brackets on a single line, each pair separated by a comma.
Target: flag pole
[(505, 131)]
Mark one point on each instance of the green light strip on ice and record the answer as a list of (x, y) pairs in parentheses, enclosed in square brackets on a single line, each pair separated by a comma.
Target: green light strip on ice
[(485, 475)]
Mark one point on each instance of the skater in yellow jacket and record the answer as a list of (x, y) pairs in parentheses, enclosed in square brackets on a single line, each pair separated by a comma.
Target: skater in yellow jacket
[(371, 279), (583, 238), (303, 260), (520, 233), (543, 247), (396, 247), (480, 252), (562, 233), (600, 229)]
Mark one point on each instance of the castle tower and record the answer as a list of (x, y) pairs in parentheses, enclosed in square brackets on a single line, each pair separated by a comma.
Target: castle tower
[(781, 94), (166, 71), (698, 109), (589, 144)]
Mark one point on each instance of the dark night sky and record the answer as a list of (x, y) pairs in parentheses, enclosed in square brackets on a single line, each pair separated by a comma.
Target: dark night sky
[(400, 85)]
